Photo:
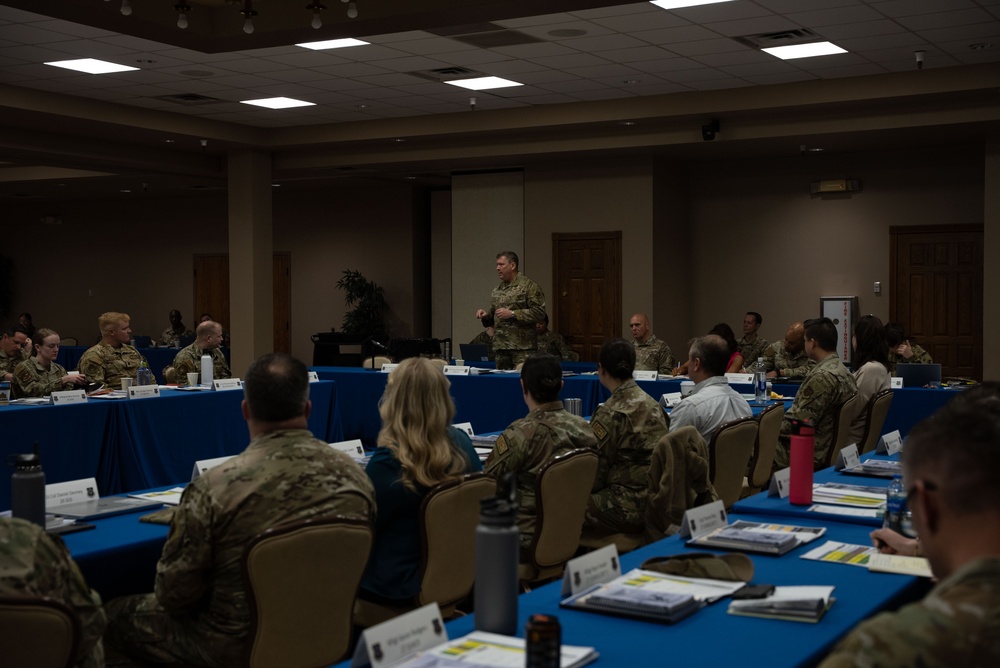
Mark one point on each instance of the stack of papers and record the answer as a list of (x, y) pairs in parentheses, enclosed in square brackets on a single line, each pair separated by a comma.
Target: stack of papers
[(878, 468), (170, 497), (895, 563), (490, 650), (797, 604), (746, 536), (842, 553), (857, 496)]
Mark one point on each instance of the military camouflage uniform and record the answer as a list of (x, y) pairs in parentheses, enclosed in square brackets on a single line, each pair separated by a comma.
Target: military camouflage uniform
[(188, 360), (527, 445), (105, 364), (9, 362), (920, 356), (957, 624), (627, 427), (484, 339), (515, 339), (828, 385), (172, 339), (653, 355), (199, 612), (32, 563), (777, 359), (751, 350), (554, 344), (31, 379)]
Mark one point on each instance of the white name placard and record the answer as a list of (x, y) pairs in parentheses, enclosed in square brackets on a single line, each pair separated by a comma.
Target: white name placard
[(143, 391), (203, 465), (890, 443), (847, 458), (388, 368), (227, 384), (701, 520), (895, 383), (739, 378), (466, 427), (450, 370), (69, 397), (779, 484), (75, 491), (354, 448), (645, 375), (386, 643), (670, 399), (593, 568), (313, 377)]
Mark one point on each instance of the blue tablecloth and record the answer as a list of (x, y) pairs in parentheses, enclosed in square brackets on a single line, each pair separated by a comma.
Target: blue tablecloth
[(69, 358), (910, 405), (136, 444)]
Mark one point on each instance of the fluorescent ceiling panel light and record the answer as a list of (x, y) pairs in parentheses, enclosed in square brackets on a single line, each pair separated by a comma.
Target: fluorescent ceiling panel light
[(278, 103), (484, 83), (333, 44), (793, 51), (678, 4), (91, 66)]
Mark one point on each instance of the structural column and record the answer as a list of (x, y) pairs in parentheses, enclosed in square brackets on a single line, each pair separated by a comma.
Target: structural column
[(251, 245)]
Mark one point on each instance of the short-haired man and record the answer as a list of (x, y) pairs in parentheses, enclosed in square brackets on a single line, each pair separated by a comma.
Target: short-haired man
[(171, 336), (951, 469), (752, 345), (828, 385), (188, 360), (113, 358), (712, 402), (531, 442), (787, 358), (516, 305), (551, 342), (199, 613), (33, 563), (14, 349), (651, 354)]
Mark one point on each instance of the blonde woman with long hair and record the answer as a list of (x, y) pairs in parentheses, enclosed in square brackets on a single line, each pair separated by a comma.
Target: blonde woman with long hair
[(417, 449)]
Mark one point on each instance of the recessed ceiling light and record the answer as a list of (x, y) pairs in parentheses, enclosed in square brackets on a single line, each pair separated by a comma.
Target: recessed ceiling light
[(627, 124), (124, 190), (678, 4), (815, 149), (632, 82), (399, 140), (275, 185), (793, 51), (410, 178), (92, 66), (168, 141), (483, 83), (278, 103), (332, 44)]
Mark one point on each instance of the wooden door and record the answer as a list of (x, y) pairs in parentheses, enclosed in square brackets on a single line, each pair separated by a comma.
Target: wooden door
[(587, 275), (211, 294), (937, 293)]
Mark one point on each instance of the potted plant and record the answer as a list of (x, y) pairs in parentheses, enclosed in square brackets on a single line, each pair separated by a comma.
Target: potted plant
[(366, 302)]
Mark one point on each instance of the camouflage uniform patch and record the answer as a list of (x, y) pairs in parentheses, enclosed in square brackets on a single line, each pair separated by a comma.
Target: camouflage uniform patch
[(599, 429), (501, 446)]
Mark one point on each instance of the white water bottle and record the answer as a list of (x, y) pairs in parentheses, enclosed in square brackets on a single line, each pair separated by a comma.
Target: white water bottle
[(760, 381), (206, 370)]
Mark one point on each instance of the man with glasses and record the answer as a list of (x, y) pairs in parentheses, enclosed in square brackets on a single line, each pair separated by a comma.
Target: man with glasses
[(951, 469), (14, 347)]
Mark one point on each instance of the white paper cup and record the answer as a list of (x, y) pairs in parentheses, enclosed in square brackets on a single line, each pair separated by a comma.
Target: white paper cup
[(687, 387), (193, 379), (459, 362), (126, 383)]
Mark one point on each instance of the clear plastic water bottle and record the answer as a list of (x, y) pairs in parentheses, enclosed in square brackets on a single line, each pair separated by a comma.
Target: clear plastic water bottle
[(895, 505), (760, 381), (143, 376)]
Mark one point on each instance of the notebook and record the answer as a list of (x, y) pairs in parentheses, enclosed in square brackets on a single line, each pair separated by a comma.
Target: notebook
[(106, 507), (476, 352), (919, 375)]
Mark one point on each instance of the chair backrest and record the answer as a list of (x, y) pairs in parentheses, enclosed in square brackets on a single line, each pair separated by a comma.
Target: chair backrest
[(728, 456), (764, 447), (877, 410), (68, 341), (37, 631), (376, 362), (843, 417), (561, 493), (448, 518), (302, 579), (170, 375)]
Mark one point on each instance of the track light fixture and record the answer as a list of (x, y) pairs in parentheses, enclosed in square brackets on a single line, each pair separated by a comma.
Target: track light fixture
[(182, 19), (709, 131), (126, 8), (248, 13), (316, 8), (352, 10)]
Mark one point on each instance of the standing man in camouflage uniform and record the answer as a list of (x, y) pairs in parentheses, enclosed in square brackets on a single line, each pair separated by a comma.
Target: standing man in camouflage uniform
[(14, 345), (113, 358), (188, 360), (828, 385), (951, 469), (32, 563), (651, 354), (516, 305), (531, 442), (627, 427), (551, 342), (788, 358), (171, 336), (752, 344), (199, 612)]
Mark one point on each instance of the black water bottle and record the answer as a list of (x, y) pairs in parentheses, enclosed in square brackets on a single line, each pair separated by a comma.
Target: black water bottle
[(28, 489), (497, 553)]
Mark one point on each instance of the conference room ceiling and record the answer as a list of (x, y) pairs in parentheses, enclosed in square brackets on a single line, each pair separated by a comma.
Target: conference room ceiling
[(600, 79)]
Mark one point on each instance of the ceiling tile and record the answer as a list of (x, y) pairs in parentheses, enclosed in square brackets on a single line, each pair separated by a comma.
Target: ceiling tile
[(897, 8), (708, 46), (946, 19), (412, 64), (639, 54), (306, 58), (837, 16), (668, 36), (866, 29), (753, 26), (28, 34), (570, 61), (657, 19), (955, 33)]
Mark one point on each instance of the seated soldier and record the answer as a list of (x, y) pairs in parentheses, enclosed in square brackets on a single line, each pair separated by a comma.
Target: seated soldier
[(188, 360), (485, 337), (551, 342), (787, 358), (113, 358), (901, 350), (651, 354)]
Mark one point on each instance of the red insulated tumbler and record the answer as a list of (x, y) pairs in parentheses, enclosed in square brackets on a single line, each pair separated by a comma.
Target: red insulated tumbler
[(803, 443)]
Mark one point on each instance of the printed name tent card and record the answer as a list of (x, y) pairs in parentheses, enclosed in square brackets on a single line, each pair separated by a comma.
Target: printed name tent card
[(847, 458), (645, 375), (389, 642), (890, 443), (701, 520), (313, 377), (593, 568), (779, 484), (228, 384), (143, 391), (75, 491), (203, 465), (69, 397), (354, 448)]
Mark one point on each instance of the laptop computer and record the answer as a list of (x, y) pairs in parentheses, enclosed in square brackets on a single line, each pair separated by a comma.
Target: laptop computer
[(476, 352), (106, 507), (919, 375)]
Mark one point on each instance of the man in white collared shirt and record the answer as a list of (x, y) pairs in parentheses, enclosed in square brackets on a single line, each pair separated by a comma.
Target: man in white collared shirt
[(712, 403)]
